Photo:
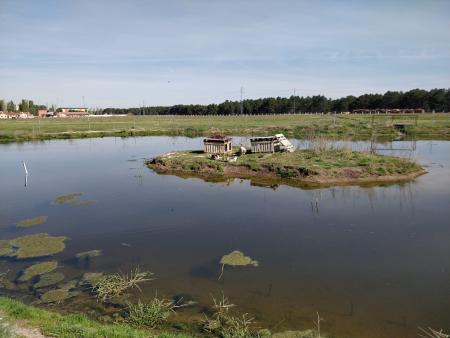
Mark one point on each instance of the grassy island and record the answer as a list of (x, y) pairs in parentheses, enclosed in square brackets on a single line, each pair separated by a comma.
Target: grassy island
[(301, 167)]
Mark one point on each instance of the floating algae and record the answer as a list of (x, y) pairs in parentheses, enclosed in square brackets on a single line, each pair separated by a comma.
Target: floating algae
[(32, 221), (37, 269), (91, 277), (66, 198), (70, 285), (81, 203), (48, 279), (69, 199), (36, 245), (6, 248), (57, 295), (89, 254), (236, 258)]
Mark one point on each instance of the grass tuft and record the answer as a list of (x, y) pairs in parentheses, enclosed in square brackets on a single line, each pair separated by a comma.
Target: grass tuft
[(114, 285), (151, 314)]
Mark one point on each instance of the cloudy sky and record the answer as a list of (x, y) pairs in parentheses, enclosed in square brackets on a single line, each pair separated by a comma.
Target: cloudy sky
[(121, 53)]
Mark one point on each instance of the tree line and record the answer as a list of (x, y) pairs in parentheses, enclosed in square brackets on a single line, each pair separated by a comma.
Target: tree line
[(433, 100)]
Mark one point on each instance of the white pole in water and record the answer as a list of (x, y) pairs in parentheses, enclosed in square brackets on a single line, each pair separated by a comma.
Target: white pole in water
[(25, 168), (26, 172)]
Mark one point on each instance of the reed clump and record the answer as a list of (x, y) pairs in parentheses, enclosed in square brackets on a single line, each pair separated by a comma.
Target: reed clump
[(152, 314), (114, 285), (227, 325)]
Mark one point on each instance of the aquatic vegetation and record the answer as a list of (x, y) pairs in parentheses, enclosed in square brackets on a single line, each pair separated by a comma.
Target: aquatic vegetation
[(36, 245), (5, 283), (236, 258), (66, 198), (238, 327), (81, 203), (69, 285), (48, 279), (298, 334), (70, 199), (151, 314), (227, 325), (6, 248), (114, 285), (32, 221), (56, 296), (91, 277), (89, 254), (37, 269)]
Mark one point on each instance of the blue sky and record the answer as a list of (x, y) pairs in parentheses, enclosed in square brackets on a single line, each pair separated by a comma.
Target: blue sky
[(120, 53)]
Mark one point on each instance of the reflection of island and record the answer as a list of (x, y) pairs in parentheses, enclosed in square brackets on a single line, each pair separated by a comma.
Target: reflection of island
[(303, 168)]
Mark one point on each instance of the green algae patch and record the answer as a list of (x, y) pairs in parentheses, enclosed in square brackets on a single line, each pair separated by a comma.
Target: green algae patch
[(37, 245), (236, 258), (37, 269), (49, 279), (56, 296), (81, 203), (62, 199), (6, 248), (91, 277), (89, 254), (70, 285), (32, 221), (72, 199)]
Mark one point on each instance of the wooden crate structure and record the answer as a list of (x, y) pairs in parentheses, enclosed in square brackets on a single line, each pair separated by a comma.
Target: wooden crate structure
[(266, 144), (217, 145), (270, 144)]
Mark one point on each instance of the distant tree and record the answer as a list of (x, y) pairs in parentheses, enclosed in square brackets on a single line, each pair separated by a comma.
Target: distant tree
[(3, 105), (436, 99), (11, 106), (319, 104), (24, 105), (392, 100), (32, 108)]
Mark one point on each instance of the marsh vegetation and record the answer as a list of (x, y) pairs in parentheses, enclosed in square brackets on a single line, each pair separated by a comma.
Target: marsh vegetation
[(436, 126)]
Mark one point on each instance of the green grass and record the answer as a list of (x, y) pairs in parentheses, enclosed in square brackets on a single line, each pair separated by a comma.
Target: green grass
[(435, 126), (72, 325)]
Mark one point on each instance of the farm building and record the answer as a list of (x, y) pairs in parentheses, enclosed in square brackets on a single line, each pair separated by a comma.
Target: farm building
[(270, 144), (217, 145)]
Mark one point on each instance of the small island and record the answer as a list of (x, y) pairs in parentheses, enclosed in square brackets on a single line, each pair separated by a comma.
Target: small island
[(297, 168)]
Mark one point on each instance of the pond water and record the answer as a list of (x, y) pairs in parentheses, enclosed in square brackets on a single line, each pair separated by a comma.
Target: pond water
[(372, 261)]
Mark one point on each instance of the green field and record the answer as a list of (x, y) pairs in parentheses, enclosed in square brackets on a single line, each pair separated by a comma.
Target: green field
[(427, 126)]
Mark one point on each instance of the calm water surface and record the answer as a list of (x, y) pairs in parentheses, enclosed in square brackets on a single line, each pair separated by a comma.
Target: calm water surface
[(374, 262)]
